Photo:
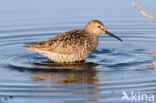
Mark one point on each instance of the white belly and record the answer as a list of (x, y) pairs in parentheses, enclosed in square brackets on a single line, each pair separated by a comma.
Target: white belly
[(56, 57)]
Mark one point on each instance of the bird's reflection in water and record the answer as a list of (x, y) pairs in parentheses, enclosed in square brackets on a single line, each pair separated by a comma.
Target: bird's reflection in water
[(153, 65), (79, 74), (67, 74)]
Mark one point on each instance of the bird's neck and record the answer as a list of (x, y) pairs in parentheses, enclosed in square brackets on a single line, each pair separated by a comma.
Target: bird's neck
[(91, 32), (93, 37)]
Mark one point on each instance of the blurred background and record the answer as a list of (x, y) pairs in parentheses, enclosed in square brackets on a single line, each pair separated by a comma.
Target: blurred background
[(18, 13)]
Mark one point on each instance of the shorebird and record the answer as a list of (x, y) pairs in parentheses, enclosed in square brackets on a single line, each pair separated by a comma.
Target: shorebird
[(71, 46)]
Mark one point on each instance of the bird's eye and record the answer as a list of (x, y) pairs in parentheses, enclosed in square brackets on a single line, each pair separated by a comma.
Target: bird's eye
[(99, 26)]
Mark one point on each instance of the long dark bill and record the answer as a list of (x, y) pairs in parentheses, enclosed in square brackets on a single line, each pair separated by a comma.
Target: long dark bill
[(111, 34)]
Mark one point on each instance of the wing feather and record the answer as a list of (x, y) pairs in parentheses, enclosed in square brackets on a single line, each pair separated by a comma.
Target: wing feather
[(65, 43)]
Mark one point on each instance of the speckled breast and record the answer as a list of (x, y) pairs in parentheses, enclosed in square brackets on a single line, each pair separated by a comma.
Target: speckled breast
[(56, 57), (79, 55)]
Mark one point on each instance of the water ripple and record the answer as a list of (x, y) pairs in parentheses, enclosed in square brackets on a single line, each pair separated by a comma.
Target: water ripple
[(112, 68)]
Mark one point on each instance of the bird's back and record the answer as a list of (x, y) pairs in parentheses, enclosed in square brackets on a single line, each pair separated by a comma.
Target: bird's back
[(69, 46)]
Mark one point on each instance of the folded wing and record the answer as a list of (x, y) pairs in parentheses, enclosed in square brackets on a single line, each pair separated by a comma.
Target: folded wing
[(65, 43)]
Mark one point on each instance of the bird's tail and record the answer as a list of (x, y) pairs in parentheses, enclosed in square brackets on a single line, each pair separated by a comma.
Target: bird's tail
[(34, 46)]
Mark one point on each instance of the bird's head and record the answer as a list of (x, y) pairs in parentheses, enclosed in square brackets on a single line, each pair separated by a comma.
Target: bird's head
[(96, 27)]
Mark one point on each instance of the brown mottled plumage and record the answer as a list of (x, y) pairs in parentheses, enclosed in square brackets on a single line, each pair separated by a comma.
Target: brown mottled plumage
[(71, 46)]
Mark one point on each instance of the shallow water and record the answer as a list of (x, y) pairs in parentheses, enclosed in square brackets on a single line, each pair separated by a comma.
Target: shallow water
[(114, 67)]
